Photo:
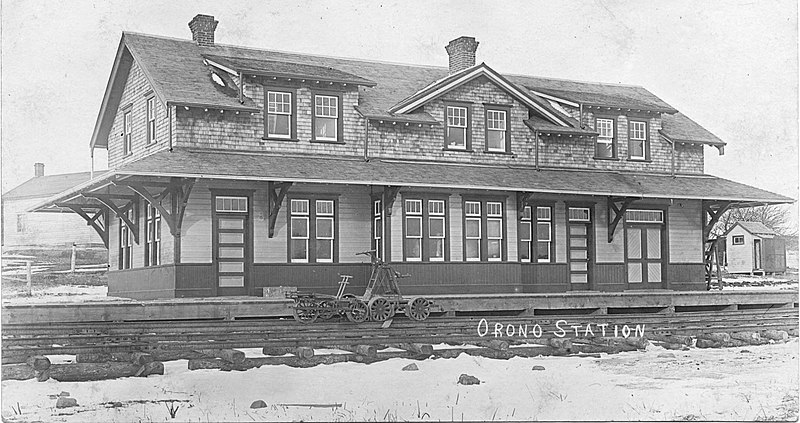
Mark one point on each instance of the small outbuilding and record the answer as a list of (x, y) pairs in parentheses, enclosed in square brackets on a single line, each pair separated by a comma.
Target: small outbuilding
[(752, 247)]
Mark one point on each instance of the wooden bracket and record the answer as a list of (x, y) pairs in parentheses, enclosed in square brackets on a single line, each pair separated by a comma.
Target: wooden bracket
[(178, 189), (523, 199), (712, 212), (617, 205), (389, 195), (121, 212), (98, 221), (276, 193)]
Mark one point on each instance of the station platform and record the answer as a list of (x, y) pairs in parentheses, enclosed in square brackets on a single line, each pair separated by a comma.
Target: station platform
[(575, 302)]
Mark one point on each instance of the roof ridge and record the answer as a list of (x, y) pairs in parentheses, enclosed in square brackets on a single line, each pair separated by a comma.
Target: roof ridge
[(355, 59), (613, 84)]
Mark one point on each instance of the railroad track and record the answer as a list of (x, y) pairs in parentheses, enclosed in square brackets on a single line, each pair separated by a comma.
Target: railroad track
[(23, 340)]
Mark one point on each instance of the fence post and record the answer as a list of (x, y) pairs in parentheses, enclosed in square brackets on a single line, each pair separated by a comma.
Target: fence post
[(73, 259), (28, 272)]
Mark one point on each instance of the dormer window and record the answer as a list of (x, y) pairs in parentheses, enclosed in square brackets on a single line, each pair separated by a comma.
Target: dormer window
[(604, 148), (280, 114), (456, 135), (637, 140), (327, 118), (498, 139)]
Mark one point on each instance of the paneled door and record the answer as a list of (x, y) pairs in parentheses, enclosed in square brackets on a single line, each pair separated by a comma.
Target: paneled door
[(580, 252), (232, 253), (644, 250)]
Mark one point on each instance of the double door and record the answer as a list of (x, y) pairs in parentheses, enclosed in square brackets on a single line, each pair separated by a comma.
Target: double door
[(644, 253)]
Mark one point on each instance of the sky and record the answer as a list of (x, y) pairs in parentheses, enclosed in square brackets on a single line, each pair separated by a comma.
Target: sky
[(731, 65)]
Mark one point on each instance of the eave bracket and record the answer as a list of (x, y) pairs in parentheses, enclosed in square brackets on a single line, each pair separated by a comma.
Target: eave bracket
[(617, 206), (276, 193)]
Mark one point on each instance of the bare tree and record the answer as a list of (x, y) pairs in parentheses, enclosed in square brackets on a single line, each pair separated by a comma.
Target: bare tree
[(777, 218)]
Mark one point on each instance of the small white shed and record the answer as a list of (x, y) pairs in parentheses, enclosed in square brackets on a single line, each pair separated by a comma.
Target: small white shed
[(752, 247)]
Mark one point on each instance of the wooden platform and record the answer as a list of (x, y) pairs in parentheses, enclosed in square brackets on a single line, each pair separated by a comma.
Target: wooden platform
[(531, 304)]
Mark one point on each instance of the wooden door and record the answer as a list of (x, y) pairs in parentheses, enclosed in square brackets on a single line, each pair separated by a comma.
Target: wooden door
[(644, 250), (757, 262), (580, 251), (232, 252)]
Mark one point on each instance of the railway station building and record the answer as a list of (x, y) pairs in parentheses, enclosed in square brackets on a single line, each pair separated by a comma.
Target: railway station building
[(235, 169)]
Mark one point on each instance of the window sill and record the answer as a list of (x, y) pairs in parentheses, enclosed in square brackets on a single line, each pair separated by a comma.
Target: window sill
[(640, 160), (270, 139), (327, 142), (151, 144), (460, 150), (612, 159), (501, 153)]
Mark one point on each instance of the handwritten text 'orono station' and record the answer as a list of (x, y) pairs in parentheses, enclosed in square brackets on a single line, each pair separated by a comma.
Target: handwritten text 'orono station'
[(561, 329)]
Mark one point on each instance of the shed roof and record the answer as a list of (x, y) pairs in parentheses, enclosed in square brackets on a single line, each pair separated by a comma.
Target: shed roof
[(45, 186), (224, 164), (679, 127), (756, 228)]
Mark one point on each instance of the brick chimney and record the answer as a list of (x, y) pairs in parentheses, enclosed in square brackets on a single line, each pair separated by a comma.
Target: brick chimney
[(203, 27), (462, 53), (38, 169)]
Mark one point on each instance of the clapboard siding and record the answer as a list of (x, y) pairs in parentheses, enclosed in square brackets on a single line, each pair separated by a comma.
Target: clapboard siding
[(355, 217), (510, 224), (456, 231), (608, 252), (396, 222), (685, 232), (56, 229), (196, 228), (560, 220)]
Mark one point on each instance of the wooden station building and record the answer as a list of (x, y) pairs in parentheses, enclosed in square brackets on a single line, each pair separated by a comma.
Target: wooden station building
[(233, 169)]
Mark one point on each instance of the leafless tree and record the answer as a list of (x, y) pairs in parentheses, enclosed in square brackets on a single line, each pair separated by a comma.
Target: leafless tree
[(776, 217)]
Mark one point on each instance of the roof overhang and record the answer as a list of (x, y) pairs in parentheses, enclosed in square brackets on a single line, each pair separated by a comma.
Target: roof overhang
[(672, 140), (450, 82)]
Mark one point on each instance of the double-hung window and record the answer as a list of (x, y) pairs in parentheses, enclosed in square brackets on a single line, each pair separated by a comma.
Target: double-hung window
[(605, 139), (312, 231), (536, 234), (127, 142), (151, 120), (326, 117), (377, 228), (125, 242), (425, 229), (494, 230), (457, 128), (497, 134), (152, 245), (472, 230), (483, 231), (637, 140), (280, 114)]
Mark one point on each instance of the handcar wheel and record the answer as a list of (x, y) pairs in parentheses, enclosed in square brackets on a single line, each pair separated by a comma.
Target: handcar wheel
[(327, 309), (357, 312), (305, 311), (380, 309), (418, 309)]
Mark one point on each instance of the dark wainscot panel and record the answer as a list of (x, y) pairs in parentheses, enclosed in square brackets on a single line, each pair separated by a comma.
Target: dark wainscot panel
[(610, 277), (459, 278), (321, 278), (194, 280), (544, 277), (686, 276), (143, 283)]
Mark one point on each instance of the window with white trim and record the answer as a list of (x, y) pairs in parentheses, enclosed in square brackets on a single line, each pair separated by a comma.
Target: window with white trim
[(413, 242), (544, 234), (437, 230), (425, 229), (472, 230), (738, 240), (326, 117), (496, 130), (637, 140), (377, 228), (605, 139), (494, 231), (127, 141), (644, 216), (456, 128), (125, 242), (231, 204), (298, 222), (152, 245), (312, 231), (151, 120), (279, 114), (579, 214)]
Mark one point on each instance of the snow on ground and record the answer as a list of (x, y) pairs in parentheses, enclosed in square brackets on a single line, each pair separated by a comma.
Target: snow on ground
[(752, 383), (62, 294)]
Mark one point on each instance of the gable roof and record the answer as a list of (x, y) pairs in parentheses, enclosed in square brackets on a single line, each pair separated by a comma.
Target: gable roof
[(441, 87), (46, 186), (756, 228), (178, 75)]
